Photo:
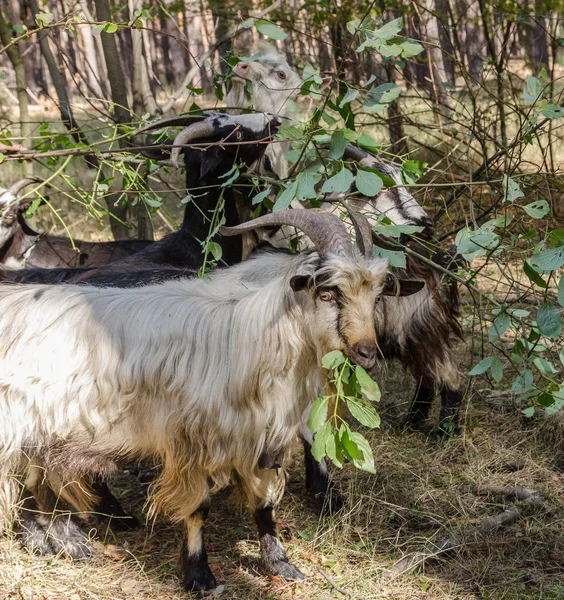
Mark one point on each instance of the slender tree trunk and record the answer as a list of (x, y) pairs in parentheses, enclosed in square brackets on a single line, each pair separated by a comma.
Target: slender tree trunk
[(143, 100), (18, 64)]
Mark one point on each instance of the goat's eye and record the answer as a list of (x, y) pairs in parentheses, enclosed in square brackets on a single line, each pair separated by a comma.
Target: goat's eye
[(326, 296), (281, 75)]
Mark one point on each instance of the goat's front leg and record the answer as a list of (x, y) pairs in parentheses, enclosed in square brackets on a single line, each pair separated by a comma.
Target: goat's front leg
[(274, 556), (196, 573)]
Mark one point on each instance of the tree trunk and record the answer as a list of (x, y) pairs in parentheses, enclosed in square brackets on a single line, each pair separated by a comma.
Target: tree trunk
[(18, 64)]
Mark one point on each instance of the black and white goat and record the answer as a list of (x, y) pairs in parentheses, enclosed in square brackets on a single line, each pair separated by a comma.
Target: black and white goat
[(212, 145), (208, 375), (21, 246)]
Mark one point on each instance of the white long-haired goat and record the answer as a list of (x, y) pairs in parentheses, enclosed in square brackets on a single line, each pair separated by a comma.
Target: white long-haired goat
[(205, 375)]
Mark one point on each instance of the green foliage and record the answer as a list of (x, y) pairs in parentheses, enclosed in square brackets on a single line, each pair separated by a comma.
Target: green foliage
[(333, 437)]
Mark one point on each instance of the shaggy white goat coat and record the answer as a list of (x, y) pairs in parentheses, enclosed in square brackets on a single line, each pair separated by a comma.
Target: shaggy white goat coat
[(204, 374)]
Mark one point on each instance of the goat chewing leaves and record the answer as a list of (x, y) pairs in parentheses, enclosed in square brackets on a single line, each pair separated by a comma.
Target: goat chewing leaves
[(333, 437)]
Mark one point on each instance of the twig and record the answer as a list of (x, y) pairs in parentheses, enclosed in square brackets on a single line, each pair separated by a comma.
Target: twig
[(509, 516), (341, 590)]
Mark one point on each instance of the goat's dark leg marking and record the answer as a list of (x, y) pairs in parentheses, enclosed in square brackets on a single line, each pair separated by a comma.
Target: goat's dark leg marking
[(196, 573), (110, 506), (421, 405), (273, 553), (63, 533), (450, 410), (318, 484), (29, 531)]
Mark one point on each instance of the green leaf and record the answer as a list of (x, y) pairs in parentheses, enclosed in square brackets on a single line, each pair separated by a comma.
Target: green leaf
[(270, 30), (389, 30), (351, 95), (537, 209), (320, 441), (383, 94), (43, 18), (260, 197), (395, 257), (286, 196), (306, 185), (523, 382), (529, 412), (544, 366), (561, 291), (216, 250), (366, 142), (549, 320), (412, 170), (368, 183), (556, 237), (339, 183), (533, 89), (110, 28), (548, 260), (153, 202), (482, 366), (533, 275), (364, 413), (318, 414), (497, 369), (512, 189), (338, 144), (334, 450), (368, 386), (333, 359), (1, 158), (361, 447), (97, 29), (498, 327), (410, 48), (552, 111)]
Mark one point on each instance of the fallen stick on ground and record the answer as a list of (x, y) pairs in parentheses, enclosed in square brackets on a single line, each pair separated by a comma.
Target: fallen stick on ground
[(341, 590), (509, 516)]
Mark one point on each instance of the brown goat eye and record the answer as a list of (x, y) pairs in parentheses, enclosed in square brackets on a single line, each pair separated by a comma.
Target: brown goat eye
[(281, 74), (326, 296)]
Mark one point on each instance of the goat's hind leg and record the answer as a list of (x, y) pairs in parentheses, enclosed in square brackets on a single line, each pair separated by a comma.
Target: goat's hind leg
[(61, 530), (196, 573), (29, 531)]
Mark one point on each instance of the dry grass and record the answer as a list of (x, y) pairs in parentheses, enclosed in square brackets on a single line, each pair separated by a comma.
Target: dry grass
[(424, 490)]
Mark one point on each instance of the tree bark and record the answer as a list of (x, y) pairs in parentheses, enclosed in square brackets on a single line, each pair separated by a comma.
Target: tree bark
[(18, 64)]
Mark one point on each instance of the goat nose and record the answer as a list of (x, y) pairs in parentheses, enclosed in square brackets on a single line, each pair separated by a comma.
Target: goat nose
[(364, 353), (243, 66)]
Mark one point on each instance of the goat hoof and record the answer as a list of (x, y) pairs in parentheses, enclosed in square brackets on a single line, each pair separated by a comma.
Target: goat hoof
[(330, 502), (284, 569), (199, 578), (66, 537), (125, 523), (33, 538)]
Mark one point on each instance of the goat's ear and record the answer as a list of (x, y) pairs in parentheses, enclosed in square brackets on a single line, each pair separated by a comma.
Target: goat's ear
[(300, 282), (401, 287)]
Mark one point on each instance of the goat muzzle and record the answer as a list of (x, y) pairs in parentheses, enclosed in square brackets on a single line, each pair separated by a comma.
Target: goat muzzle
[(363, 353)]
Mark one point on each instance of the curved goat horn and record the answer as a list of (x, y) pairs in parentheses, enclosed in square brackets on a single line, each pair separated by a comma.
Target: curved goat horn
[(17, 187), (196, 130), (355, 153), (363, 233), (177, 121), (324, 229)]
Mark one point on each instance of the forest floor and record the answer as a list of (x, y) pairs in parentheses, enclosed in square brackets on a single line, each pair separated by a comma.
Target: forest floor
[(425, 491)]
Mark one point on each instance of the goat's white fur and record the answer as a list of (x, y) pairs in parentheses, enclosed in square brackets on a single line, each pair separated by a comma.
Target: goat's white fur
[(204, 374)]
